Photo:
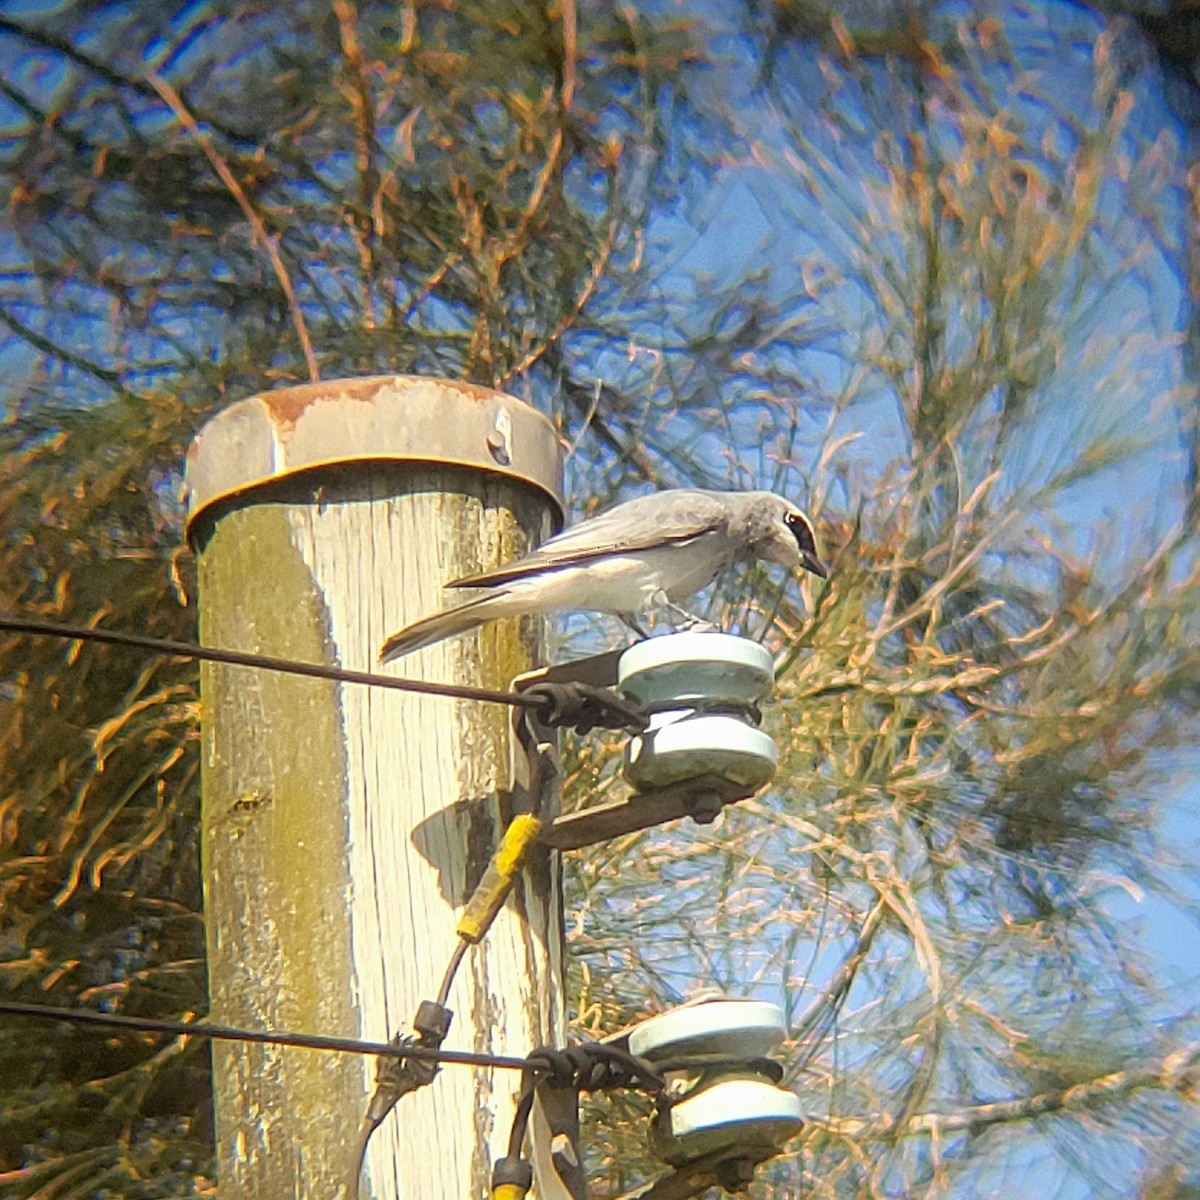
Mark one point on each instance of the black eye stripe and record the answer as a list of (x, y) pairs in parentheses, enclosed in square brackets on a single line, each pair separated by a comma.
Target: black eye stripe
[(802, 532)]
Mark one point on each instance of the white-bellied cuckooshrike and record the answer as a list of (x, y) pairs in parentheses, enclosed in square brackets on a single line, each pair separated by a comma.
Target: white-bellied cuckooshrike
[(657, 549)]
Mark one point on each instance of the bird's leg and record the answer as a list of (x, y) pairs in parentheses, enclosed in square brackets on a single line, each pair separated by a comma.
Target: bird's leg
[(631, 620)]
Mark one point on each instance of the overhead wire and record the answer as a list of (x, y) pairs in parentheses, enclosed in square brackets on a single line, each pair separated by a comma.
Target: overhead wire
[(230, 1033), (584, 1067), (266, 662), (588, 1066), (561, 705), (407, 1062), (609, 1066)]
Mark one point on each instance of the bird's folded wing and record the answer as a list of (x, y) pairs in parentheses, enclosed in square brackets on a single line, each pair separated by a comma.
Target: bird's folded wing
[(644, 524)]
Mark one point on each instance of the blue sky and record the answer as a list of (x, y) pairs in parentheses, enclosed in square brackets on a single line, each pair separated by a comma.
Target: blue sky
[(1120, 373), (756, 234)]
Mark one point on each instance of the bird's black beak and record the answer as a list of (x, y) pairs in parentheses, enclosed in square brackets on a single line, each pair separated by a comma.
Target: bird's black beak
[(810, 562)]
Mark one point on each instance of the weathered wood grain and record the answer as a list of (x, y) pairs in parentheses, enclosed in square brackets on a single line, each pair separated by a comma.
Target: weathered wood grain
[(344, 827)]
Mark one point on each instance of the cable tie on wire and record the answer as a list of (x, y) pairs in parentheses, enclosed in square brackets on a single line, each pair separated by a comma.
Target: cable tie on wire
[(397, 1076), (582, 707)]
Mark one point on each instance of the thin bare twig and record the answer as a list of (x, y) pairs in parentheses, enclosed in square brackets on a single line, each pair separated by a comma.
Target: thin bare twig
[(1176, 1072), (570, 49), (174, 102), (358, 95), (569, 318)]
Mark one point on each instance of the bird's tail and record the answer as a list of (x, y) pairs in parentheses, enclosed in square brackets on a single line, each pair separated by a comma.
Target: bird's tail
[(451, 622)]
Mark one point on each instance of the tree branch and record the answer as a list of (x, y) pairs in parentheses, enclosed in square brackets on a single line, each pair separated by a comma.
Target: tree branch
[(172, 99)]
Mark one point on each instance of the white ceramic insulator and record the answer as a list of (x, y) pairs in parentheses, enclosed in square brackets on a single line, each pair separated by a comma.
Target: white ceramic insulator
[(732, 1115), (687, 747), (687, 667), (737, 1028)]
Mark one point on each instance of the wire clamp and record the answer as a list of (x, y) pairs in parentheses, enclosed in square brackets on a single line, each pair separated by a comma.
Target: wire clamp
[(583, 707), (593, 1066)]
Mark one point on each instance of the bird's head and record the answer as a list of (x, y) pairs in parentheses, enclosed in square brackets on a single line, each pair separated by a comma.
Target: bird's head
[(777, 531)]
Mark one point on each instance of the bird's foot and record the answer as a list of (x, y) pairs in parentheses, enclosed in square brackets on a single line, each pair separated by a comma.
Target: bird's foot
[(694, 624), (682, 620)]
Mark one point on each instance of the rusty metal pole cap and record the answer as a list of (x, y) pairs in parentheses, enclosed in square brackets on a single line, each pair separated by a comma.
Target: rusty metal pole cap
[(384, 418)]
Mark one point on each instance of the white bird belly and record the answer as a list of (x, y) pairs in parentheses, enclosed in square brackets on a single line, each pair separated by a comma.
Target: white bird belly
[(611, 585)]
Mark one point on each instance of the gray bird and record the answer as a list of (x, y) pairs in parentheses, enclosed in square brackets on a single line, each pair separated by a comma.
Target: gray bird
[(656, 549)]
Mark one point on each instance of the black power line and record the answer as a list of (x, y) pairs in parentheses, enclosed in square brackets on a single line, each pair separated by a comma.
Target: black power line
[(570, 705), (267, 662), (229, 1033)]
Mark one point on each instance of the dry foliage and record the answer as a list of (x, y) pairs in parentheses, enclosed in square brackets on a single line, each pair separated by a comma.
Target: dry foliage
[(917, 271)]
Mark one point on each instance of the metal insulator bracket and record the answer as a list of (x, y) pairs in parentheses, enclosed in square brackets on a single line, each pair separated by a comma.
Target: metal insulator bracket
[(702, 748)]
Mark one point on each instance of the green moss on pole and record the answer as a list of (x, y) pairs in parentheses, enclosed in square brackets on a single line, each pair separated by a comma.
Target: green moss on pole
[(344, 827)]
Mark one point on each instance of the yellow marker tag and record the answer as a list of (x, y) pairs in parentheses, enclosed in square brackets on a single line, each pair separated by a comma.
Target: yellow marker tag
[(509, 1191), (523, 830)]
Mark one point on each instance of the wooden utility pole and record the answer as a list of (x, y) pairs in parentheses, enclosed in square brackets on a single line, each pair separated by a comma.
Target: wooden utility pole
[(344, 826)]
